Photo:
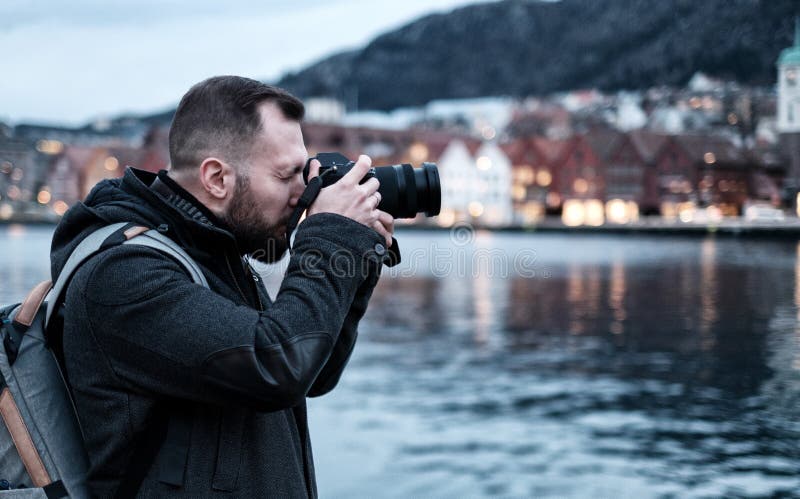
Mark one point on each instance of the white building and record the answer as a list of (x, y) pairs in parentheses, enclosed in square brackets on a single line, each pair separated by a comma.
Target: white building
[(475, 188), (789, 86), (789, 113), (324, 110), (494, 185), (458, 175)]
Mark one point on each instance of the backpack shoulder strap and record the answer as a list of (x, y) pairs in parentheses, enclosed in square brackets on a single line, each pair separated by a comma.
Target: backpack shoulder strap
[(112, 235), (88, 247), (154, 239), (165, 429)]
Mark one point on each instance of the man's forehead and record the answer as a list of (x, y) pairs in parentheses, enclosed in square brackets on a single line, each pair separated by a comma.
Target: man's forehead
[(277, 129)]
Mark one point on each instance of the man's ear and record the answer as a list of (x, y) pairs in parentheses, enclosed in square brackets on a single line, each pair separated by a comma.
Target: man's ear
[(218, 179)]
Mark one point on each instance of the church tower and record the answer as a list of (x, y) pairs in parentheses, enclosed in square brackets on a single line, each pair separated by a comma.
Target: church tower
[(789, 113)]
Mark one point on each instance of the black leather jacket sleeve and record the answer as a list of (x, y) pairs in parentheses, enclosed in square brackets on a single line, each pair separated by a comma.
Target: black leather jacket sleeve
[(163, 335)]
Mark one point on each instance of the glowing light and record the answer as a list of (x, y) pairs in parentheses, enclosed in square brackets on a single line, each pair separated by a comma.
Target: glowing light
[(488, 133), (518, 192), (6, 211), (695, 102), (616, 211), (60, 207), (111, 164), (580, 186), (594, 212), (533, 212), (446, 218), (524, 174), (484, 163), (684, 210), (622, 212), (49, 146), (733, 119), (17, 174), (475, 209), (714, 213), (573, 213), (418, 152), (43, 197), (6, 167), (797, 203), (544, 178), (709, 158)]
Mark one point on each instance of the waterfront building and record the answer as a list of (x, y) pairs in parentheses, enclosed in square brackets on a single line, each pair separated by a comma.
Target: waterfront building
[(624, 173), (580, 183), (789, 114), (20, 164), (648, 146), (458, 176), (76, 169), (491, 205), (530, 180), (718, 173)]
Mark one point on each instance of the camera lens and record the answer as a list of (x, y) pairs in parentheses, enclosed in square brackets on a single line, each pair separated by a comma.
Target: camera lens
[(406, 191)]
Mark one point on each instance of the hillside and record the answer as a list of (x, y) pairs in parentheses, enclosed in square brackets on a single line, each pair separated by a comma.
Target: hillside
[(525, 47)]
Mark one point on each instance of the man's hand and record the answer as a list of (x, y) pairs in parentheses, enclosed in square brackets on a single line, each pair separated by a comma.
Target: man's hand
[(353, 200)]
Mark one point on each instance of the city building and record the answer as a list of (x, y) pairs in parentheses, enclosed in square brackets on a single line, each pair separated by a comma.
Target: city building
[(789, 114)]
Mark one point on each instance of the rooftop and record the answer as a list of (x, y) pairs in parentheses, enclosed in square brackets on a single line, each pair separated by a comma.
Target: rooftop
[(791, 55)]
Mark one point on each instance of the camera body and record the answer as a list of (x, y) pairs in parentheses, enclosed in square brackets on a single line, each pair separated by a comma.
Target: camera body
[(334, 166), (405, 190)]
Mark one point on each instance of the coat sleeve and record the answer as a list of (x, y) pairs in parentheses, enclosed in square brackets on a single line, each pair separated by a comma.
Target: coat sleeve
[(163, 335), (332, 372)]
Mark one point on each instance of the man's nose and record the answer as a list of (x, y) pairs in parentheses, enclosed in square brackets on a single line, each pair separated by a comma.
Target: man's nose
[(298, 186)]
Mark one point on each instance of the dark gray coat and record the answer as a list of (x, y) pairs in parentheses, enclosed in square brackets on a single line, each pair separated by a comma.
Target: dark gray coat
[(139, 336)]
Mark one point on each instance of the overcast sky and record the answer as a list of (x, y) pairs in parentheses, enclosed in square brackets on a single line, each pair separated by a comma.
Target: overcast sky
[(71, 61)]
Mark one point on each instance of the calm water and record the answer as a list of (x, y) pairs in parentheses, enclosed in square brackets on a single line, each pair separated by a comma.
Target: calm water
[(558, 365)]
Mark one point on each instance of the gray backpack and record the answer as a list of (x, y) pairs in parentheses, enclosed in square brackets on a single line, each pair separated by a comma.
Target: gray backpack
[(41, 443)]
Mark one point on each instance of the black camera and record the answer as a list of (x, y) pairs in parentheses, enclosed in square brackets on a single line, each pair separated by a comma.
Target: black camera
[(405, 190)]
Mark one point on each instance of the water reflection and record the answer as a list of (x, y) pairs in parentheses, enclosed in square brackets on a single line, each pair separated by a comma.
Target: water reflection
[(637, 367), (615, 375), (616, 297), (25, 260), (708, 292)]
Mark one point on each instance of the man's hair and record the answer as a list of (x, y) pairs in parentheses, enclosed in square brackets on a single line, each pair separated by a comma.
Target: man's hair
[(219, 117)]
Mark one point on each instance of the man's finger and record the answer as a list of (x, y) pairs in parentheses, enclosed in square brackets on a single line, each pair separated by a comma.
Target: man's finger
[(387, 221), (385, 218), (358, 171), (380, 229), (371, 186), (313, 169)]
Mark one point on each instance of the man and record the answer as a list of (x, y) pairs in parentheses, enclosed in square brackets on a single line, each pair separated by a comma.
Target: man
[(184, 391)]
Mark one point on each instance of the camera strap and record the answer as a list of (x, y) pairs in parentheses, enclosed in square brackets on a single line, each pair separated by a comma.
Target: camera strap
[(306, 199)]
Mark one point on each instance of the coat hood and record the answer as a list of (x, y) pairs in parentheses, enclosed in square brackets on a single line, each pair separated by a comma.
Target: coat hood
[(130, 199)]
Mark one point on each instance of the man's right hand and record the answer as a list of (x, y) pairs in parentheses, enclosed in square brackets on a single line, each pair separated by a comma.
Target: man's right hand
[(353, 200)]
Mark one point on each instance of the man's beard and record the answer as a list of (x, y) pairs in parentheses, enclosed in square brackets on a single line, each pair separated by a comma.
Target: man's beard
[(254, 235)]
